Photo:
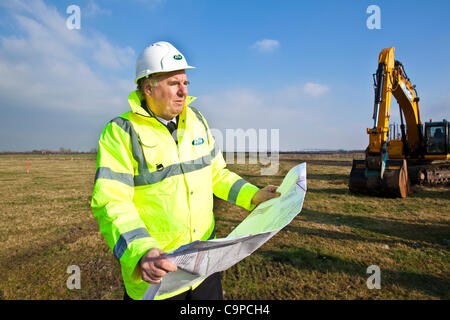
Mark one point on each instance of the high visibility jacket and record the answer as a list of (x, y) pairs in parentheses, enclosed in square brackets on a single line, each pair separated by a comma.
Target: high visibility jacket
[(150, 192)]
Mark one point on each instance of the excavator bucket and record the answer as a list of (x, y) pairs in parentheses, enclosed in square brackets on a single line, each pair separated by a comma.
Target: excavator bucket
[(395, 180), (358, 179), (393, 183)]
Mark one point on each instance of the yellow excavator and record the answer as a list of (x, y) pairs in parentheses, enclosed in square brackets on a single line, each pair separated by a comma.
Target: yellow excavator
[(417, 154)]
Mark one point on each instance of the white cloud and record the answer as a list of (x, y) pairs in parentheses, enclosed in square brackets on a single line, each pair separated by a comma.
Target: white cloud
[(47, 66), (109, 55), (94, 10), (303, 120), (315, 89), (266, 45)]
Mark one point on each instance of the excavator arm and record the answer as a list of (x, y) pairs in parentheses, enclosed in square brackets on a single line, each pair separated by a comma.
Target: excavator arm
[(382, 103), (391, 79)]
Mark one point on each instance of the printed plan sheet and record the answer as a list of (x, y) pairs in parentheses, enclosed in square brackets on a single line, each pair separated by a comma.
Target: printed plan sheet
[(199, 259)]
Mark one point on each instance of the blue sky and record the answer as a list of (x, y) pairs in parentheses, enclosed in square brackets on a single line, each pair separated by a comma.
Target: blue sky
[(302, 67)]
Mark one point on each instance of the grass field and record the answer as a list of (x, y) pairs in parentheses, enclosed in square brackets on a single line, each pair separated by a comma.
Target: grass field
[(324, 253)]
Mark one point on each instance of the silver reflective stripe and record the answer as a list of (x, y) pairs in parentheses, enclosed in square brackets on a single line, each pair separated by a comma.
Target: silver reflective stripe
[(215, 151), (157, 176), (126, 238), (199, 116), (196, 164), (138, 153), (145, 177), (234, 191), (173, 170), (107, 173)]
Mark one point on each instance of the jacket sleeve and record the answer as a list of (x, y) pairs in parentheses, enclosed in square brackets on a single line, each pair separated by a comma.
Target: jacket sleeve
[(227, 185), (112, 205)]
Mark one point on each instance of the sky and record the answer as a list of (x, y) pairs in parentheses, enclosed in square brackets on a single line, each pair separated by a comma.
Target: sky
[(302, 69)]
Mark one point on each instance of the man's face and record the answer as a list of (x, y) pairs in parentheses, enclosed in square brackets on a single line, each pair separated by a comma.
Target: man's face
[(167, 98)]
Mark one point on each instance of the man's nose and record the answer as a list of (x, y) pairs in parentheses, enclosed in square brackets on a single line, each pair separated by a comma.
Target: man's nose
[(182, 90)]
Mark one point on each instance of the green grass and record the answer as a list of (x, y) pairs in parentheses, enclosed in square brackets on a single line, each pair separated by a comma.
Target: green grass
[(323, 253)]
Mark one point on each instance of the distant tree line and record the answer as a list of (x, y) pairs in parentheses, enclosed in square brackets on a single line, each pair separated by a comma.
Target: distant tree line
[(61, 150)]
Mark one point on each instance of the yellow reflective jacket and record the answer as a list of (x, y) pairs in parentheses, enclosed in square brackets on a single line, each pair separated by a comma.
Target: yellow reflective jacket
[(150, 192)]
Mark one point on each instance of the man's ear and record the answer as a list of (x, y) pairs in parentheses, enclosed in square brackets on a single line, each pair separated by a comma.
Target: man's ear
[(147, 89)]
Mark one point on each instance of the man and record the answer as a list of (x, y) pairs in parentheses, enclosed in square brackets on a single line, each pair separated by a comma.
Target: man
[(154, 190)]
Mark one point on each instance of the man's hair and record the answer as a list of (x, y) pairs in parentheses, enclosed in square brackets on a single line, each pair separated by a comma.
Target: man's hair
[(153, 81)]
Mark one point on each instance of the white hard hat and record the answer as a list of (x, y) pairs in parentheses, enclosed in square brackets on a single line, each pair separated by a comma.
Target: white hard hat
[(159, 57)]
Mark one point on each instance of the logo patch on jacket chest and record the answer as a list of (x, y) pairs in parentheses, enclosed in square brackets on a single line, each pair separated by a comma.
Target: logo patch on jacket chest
[(198, 141)]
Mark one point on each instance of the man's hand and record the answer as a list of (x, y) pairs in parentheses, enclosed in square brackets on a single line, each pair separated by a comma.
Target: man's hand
[(153, 268), (265, 194)]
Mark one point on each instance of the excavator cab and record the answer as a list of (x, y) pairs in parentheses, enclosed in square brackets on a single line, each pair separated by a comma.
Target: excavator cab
[(437, 139)]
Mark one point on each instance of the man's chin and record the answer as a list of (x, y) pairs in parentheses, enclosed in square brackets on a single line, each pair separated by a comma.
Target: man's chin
[(177, 110)]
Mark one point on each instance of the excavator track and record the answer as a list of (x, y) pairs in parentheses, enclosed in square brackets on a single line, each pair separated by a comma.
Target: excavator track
[(430, 174)]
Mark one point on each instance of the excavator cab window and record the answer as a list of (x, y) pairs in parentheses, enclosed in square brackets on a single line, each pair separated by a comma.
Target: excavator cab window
[(437, 138)]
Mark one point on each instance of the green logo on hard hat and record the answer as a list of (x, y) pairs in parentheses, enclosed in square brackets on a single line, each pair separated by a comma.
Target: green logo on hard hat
[(198, 141), (178, 57)]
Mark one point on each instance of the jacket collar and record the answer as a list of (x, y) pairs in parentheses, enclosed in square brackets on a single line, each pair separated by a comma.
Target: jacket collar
[(136, 98)]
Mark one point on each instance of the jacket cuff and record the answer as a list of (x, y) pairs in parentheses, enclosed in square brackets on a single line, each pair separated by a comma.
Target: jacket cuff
[(245, 196), (134, 255)]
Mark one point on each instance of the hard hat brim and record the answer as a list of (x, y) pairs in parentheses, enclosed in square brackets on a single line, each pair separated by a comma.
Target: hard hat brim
[(165, 71)]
